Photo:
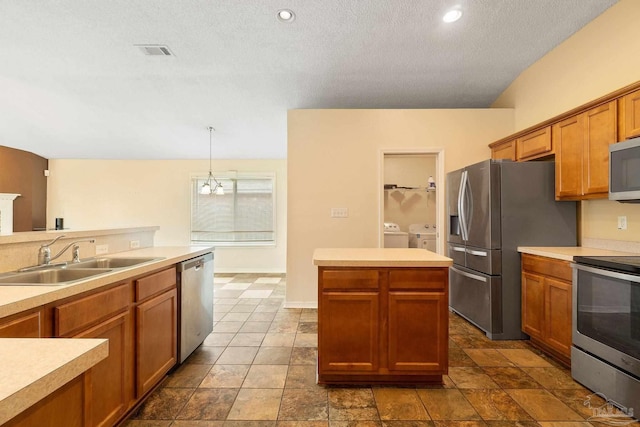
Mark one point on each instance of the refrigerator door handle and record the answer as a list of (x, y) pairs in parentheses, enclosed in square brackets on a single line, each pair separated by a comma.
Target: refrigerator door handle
[(457, 249), (476, 253), (462, 206), (469, 275)]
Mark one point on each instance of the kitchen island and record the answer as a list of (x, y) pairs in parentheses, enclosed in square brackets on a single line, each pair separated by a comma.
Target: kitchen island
[(382, 315)]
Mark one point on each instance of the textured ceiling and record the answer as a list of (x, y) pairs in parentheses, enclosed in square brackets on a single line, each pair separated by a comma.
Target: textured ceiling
[(73, 85)]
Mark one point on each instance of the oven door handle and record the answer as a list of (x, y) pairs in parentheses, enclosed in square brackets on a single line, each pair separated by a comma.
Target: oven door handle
[(607, 273)]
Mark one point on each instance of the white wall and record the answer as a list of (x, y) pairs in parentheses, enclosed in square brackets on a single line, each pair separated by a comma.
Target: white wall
[(599, 59), (334, 161), (124, 193)]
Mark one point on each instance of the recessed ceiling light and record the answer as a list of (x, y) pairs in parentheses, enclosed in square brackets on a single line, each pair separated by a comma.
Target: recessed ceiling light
[(452, 16), (286, 15)]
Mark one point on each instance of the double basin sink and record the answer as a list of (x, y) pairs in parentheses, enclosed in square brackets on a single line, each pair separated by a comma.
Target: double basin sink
[(68, 273)]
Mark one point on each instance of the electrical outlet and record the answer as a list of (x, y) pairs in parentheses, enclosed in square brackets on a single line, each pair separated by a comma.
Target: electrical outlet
[(622, 223), (339, 212), (134, 244), (102, 249)]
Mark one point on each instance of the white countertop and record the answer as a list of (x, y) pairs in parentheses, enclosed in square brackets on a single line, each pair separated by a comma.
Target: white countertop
[(379, 257), (14, 299), (567, 253), (31, 369)]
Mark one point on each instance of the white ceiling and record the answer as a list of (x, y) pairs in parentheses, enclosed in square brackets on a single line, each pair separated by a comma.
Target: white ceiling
[(73, 85)]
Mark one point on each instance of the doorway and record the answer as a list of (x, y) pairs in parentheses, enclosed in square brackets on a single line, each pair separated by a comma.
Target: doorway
[(411, 198)]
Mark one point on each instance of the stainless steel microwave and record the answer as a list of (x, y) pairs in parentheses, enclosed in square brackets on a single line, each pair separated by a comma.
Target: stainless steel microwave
[(624, 171)]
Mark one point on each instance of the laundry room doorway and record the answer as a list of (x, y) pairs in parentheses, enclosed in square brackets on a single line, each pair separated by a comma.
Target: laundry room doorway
[(412, 199)]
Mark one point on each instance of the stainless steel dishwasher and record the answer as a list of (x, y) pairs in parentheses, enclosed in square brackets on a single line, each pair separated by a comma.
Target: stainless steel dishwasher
[(195, 286)]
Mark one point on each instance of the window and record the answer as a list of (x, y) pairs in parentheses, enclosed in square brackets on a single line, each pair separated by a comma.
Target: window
[(243, 216)]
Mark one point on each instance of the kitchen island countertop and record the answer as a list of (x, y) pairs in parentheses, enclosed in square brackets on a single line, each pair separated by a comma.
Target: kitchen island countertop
[(379, 257), (31, 369)]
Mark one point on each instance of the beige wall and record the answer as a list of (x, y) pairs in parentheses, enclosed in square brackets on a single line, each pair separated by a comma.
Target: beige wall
[(599, 59), (124, 193), (406, 207), (334, 160)]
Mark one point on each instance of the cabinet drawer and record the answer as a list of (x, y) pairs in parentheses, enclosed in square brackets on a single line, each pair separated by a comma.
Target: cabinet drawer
[(82, 313), (547, 266), (428, 279), (356, 279), (535, 144), (155, 283), (21, 326)]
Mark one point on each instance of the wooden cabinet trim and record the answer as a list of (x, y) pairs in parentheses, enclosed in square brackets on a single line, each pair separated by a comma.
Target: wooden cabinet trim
[(155, 283)]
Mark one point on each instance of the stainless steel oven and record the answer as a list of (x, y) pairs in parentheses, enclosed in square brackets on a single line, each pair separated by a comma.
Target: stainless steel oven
[(605, 355)]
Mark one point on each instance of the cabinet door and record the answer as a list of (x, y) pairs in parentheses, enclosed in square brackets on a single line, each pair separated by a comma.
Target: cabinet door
[(568, 141), (418, 335), (533, 305), (534, 145), (599, 131), (64, 407), (112, 379), (631, 115), (558, 315), (506, 151), (156, 339), (348, 337)]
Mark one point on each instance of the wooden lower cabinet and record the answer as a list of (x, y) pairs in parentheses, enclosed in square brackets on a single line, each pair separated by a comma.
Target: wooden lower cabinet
[(65, 406), (349, 332), (156, 339), (382, 325), (546, 304), (104, 314), (112, 379), (416, 341)]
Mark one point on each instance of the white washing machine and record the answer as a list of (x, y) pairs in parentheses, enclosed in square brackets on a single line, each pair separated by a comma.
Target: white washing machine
[(393, 237), (423, 236)]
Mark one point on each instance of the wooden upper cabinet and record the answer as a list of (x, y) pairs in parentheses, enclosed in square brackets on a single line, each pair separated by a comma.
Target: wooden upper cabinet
[(582, 153), (567, 136), (535, 144), (600, 132), (630, 115), (505, 151)]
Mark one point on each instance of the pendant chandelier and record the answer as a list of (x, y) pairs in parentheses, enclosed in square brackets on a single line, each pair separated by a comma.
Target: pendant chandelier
[(207, 188)]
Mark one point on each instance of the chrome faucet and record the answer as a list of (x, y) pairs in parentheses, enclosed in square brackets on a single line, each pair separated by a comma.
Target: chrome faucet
[(44, 254)]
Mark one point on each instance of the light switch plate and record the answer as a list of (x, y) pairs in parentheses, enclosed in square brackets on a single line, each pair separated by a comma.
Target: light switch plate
[(339, 212), (134, 244), (622, 223), (102, 249)]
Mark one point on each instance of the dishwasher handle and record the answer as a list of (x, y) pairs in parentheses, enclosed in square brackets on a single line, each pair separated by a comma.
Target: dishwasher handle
[(195, 263)]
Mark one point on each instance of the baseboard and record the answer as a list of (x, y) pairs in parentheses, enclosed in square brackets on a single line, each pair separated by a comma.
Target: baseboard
[(300, 304)]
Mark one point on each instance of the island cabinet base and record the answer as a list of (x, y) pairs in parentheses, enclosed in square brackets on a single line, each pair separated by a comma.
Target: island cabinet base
[(382, 325)]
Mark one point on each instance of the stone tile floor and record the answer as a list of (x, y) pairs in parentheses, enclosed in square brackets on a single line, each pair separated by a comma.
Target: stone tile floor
[(257, 369)]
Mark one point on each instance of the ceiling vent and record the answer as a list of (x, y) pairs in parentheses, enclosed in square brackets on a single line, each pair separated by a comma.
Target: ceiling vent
[(154, 49)]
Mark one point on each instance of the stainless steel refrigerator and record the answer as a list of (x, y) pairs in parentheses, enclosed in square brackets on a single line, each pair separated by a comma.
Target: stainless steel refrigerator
[(492, 208)]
